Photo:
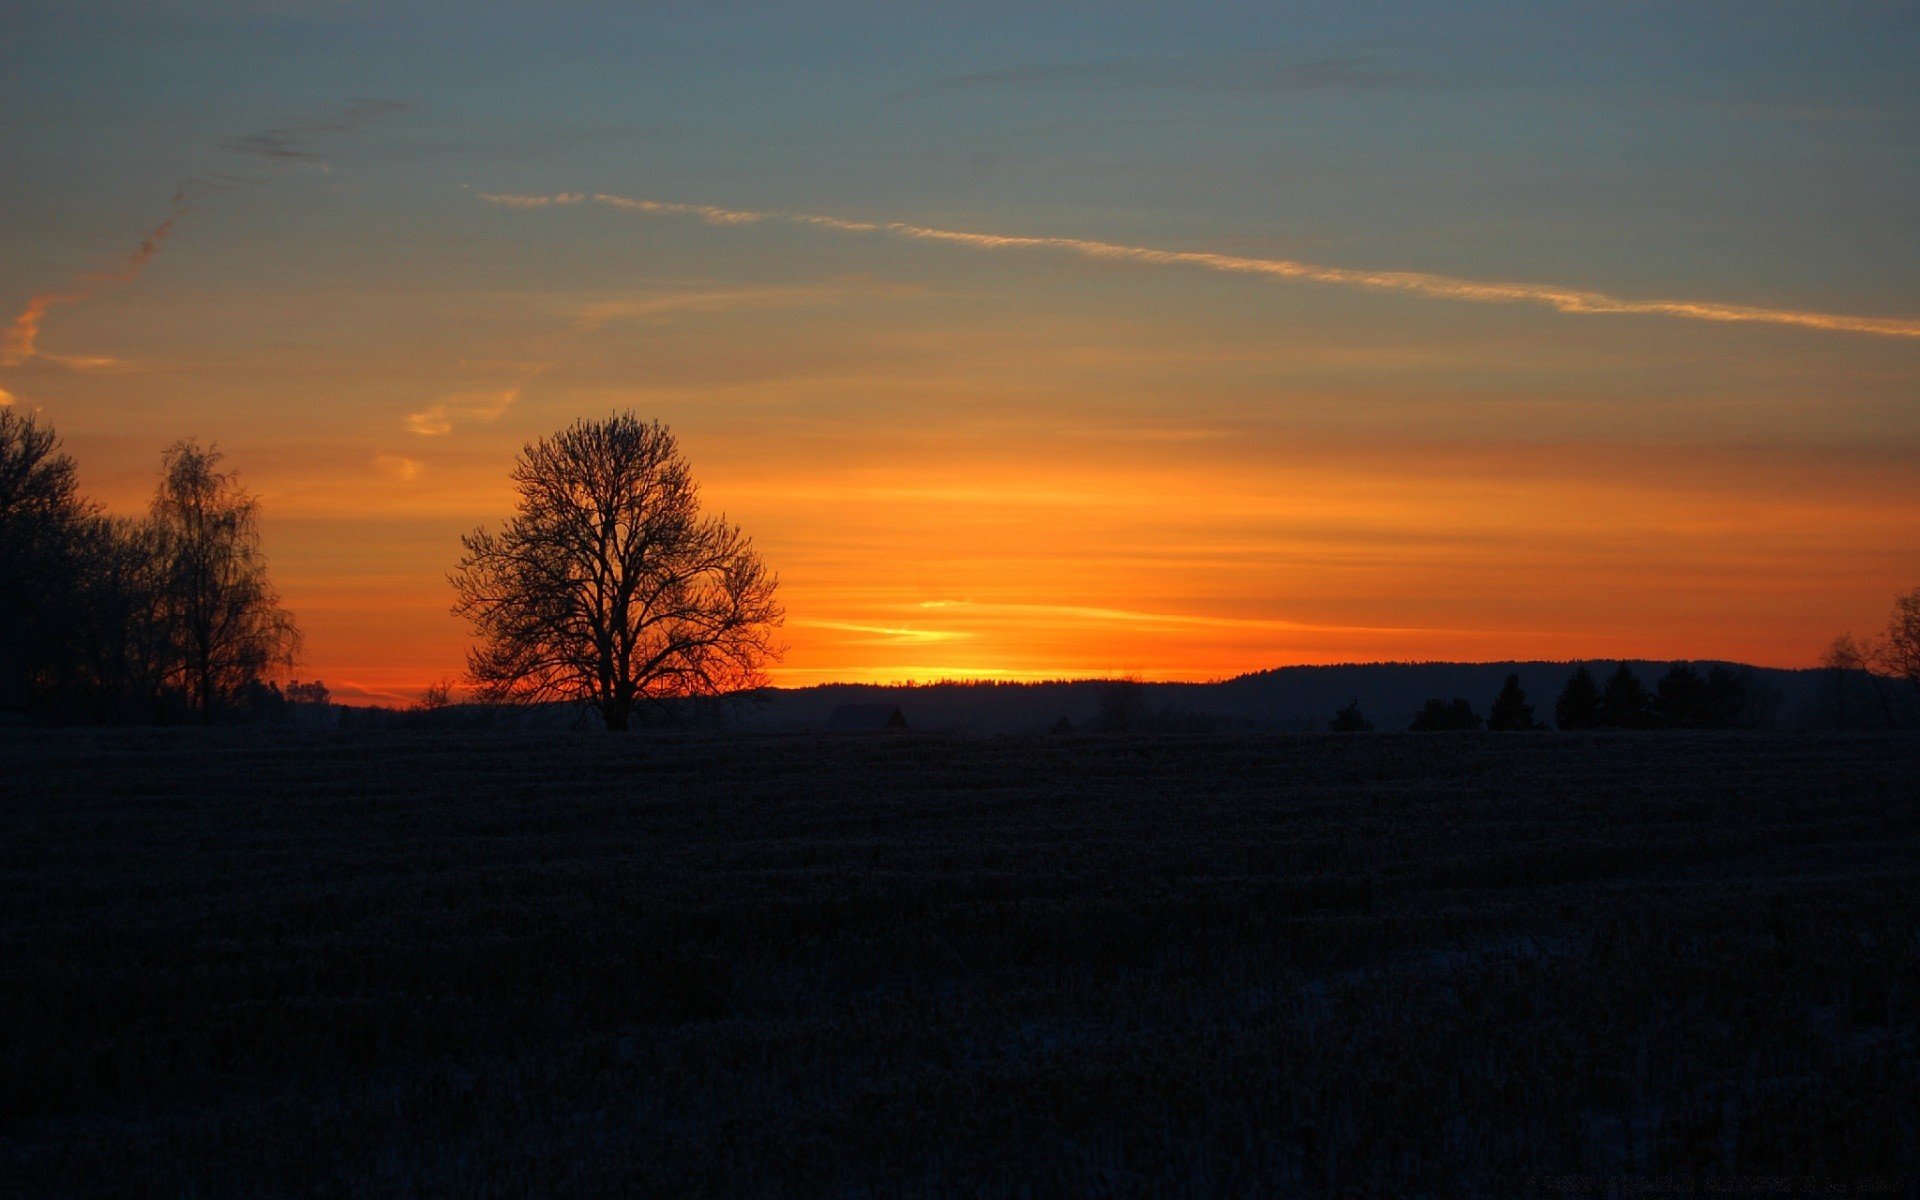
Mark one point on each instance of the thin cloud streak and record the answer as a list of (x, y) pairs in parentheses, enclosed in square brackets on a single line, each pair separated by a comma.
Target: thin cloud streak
[(23, 337), (284, 143), (1128, 616), (268, 146), (506, 201), (136, 262), (24, 334), (1415, 283), (888, 632), (438, 419), (398, 466)]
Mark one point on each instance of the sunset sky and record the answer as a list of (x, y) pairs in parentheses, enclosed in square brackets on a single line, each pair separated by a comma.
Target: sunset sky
[(1104, 339)]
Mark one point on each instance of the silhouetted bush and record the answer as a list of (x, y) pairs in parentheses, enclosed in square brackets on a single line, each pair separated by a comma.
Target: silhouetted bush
[(1439, 715), (1350, 720)]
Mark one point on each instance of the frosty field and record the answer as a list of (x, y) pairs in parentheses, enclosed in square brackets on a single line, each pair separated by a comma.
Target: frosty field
[(235, 964)]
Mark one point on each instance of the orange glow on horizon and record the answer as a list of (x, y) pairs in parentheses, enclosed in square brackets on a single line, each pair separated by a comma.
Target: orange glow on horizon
[(1014, 571)]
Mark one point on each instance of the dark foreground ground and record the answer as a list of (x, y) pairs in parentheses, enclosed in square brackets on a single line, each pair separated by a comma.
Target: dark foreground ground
[(407, 964)]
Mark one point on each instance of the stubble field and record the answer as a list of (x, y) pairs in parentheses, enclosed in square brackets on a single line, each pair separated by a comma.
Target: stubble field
[(236, 964)]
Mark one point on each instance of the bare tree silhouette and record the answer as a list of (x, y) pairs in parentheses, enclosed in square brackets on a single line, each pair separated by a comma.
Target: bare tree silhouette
[(227, 624), (1899, 650), (608, 588)]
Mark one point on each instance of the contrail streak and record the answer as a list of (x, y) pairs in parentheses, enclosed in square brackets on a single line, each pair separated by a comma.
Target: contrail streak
[(136, 262), (1416, 283), (23, 336), (269, 146)]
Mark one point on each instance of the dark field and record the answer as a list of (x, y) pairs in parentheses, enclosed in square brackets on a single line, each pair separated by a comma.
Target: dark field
[(408, 964)]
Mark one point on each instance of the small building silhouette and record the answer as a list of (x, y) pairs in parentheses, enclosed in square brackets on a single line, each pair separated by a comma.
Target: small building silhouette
[(867, 718)]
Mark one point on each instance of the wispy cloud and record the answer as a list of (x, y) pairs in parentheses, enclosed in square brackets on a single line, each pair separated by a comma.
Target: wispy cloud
[(1077, 612), (504, 201), (1415, 283), (6, 398), (398, 466), (101, 364), (277, 145), (439, 419), (290, 142), (130, 269), (887, 634), (1246, 74), (24, 334)]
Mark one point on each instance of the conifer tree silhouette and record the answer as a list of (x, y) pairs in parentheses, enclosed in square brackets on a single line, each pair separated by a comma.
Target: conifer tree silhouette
[(1510, 709), (1624, 702), (1579, 704)]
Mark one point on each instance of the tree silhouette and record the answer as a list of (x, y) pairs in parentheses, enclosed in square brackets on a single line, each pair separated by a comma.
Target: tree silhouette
[(608, 588), (436, 697), (1438, 715), (1730, 695), (113, 617), (1624, 702), (1899, 650), (41, 514), (225, 619), (124, 648), (1510, 709), (1579, 705), (1844, 660), (1681, 699)]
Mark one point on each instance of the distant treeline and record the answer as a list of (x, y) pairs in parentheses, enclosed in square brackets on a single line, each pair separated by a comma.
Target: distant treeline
[(167, 617), (1391, 696), (1720, 697)]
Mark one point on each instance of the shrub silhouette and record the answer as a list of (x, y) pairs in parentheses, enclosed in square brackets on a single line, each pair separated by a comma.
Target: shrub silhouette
[(1350, 720), (1438, 715)]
